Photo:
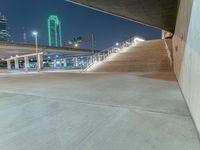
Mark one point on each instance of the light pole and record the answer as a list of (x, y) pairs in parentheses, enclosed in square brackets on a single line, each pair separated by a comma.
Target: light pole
[(36, 41), (35, 34)]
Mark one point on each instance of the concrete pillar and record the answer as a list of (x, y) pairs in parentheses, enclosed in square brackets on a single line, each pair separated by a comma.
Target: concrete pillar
[(65, 62), (76, 61), (40, 61), (16, 60), (54, 63), (26, 62), (8, 65)]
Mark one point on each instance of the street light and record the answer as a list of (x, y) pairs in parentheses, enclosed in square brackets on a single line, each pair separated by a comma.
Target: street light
[(117, 44), (36, 42), (35, 34), (76, 45)]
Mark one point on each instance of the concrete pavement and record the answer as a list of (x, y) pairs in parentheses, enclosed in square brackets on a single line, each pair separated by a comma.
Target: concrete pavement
[(94, 111)]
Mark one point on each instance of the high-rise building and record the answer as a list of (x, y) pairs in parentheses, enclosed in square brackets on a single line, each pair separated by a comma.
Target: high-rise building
[(4, 33), (54, 31)]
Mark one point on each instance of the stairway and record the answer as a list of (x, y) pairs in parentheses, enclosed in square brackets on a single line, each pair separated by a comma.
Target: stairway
[(148, 56)]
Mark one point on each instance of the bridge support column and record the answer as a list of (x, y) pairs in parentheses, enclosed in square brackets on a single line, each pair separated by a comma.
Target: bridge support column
[(26, 62), (65, 62), (16, 63), (40, 61), (54, 64), (76, 61), (8, 65)]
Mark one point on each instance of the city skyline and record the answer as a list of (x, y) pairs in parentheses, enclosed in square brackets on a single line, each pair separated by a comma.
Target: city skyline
[(76, 21)]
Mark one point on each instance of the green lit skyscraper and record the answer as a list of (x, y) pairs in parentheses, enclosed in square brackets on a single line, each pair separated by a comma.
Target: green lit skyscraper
[(54, 31)]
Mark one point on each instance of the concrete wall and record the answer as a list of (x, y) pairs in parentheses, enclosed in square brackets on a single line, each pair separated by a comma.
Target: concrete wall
[(186, 54), (181, 33)]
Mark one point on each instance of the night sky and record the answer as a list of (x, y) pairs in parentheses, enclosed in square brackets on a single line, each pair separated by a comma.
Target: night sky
[(29, 15)]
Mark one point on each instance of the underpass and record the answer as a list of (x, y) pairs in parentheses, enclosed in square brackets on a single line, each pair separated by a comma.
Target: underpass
[(130, 97), (97, 109)]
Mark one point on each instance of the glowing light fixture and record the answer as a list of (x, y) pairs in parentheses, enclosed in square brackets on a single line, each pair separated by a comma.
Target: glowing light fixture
[(76, 45), (57, 62), (35, 33), (137, 39)]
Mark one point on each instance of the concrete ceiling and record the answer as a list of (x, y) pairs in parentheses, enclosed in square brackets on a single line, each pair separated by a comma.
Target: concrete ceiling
[(158, 13)]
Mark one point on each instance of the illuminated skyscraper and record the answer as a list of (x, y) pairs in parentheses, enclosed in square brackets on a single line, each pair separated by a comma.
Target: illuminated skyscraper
[(4, 33), (54, 31)]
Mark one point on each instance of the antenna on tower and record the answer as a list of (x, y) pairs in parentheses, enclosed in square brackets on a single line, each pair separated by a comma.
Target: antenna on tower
[(24, 35)]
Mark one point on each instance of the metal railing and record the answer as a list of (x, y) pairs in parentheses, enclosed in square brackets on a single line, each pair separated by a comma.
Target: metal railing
[(105, 54)]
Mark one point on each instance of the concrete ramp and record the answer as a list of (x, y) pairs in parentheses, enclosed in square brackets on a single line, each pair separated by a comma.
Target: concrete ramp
[(148, 56)]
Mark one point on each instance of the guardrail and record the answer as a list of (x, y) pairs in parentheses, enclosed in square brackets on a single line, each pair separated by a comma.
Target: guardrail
[(105, 54)]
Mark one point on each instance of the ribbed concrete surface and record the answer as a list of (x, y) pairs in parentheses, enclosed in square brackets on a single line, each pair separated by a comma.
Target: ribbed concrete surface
[(158, 13), (149, 56)]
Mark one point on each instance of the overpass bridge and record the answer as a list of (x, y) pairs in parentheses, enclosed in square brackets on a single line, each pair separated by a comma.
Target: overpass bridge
[(161, 14), (8, 49)]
